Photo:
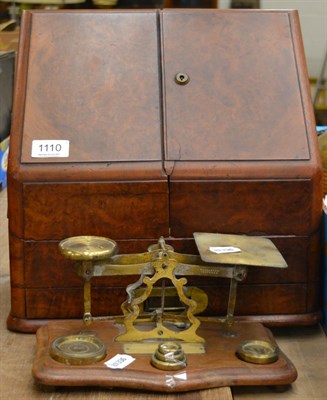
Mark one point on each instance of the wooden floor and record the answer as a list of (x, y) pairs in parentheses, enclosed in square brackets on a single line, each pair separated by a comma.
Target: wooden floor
[(305, 346)]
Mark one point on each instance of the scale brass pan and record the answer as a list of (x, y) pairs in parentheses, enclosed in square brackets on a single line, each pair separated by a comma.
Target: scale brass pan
[(246, 250), (88, 247)]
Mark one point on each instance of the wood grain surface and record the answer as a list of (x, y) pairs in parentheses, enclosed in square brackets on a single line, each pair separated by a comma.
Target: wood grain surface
[(218, 366), (305, 346), (152, 158)]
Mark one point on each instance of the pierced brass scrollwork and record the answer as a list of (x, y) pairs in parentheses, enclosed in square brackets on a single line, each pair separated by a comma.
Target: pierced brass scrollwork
[(161, 265)]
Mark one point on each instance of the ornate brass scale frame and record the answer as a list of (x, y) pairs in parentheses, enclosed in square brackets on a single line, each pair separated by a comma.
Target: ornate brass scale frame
[(170, 337)]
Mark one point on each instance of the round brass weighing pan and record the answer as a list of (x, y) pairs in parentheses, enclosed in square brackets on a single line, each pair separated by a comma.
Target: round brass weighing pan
[(88, 247)]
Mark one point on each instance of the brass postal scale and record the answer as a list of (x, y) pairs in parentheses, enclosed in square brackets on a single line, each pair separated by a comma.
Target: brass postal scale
[(163, 348)]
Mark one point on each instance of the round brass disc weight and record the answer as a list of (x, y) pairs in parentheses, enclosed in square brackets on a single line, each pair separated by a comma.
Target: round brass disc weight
[(169, 356), (257, 352), (77, 349), (88, 247)]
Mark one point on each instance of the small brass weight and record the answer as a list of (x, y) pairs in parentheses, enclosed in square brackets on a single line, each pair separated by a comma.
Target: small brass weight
[(223, 256)]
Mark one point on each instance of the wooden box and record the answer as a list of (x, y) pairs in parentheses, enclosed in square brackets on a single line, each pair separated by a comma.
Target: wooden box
[(231, 150)]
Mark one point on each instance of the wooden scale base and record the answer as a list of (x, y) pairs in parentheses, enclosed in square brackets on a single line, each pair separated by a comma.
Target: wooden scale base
[(171, 353), (217, 366)]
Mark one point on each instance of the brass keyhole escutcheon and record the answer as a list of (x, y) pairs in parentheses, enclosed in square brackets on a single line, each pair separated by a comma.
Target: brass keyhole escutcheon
[(182, 78)]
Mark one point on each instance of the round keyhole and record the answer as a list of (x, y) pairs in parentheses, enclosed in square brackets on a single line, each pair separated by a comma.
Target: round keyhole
[(182, 78)]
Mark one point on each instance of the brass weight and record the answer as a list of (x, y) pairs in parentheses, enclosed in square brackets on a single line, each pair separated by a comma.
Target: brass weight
[(169, 356), (80, 349), (257, 352)]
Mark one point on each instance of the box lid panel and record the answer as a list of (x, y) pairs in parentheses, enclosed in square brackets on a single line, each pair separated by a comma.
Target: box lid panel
[(93, 80), (243, 99)]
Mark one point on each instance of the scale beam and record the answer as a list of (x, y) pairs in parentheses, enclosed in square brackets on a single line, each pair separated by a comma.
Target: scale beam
[(221, 256)]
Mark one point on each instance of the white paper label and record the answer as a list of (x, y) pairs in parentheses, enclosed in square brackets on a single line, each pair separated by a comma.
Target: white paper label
[(50, 148), (182, 376), (225, 249), (120, 361)]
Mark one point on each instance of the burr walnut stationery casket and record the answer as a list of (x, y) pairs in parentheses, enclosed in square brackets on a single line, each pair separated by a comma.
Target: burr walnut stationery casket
[(140, 124)]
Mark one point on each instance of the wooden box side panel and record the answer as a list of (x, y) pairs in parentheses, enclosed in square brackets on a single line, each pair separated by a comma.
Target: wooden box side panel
[(44, 266), (46, 285), (53, 290), (18, 303), (117, 210), (68, 303), (272, 207)]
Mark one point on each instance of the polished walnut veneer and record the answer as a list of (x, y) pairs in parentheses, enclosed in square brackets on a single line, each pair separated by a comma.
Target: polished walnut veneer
[(233, 151)]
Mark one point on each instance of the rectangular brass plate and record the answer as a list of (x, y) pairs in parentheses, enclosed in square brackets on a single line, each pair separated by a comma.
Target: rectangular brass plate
[(255, 251), (150, 348)]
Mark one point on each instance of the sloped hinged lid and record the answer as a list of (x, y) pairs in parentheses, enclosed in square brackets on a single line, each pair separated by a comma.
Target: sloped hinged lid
[(92, 79), (243, 100), (105, 82)]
